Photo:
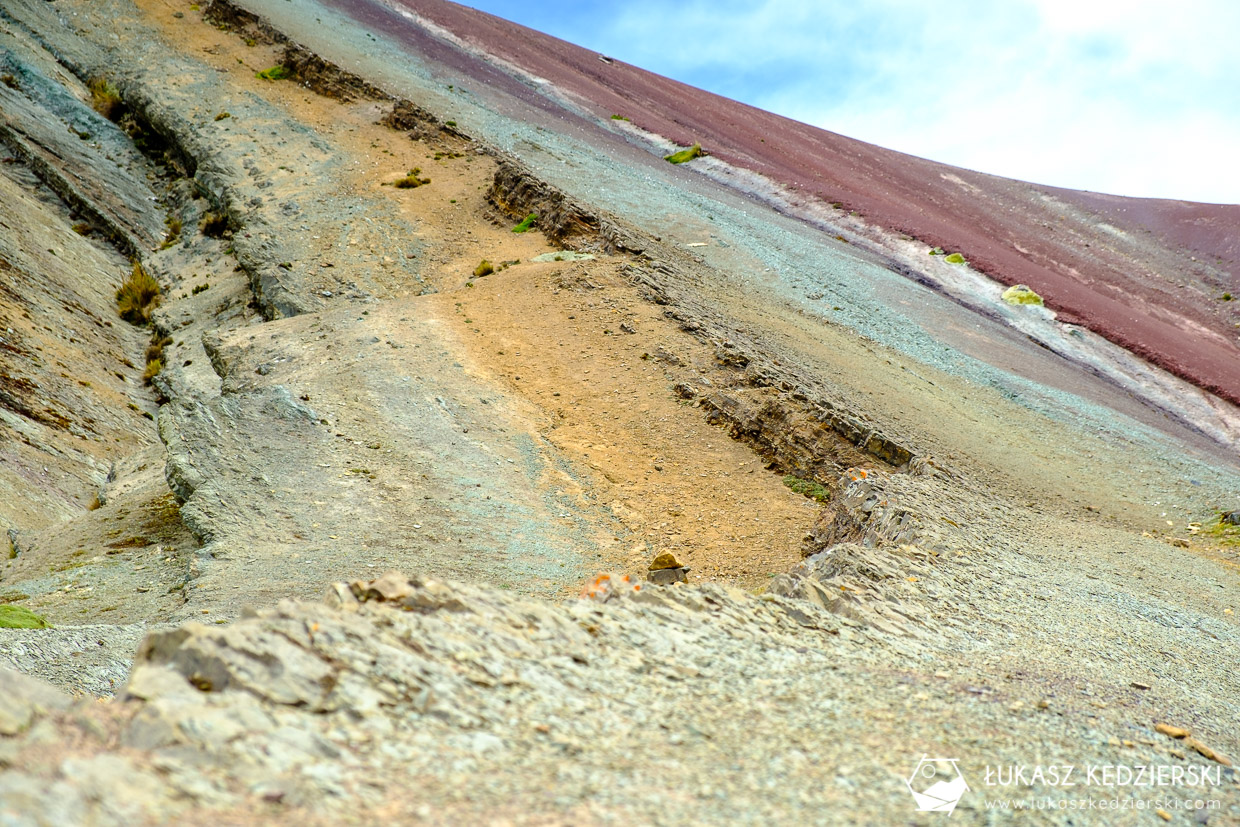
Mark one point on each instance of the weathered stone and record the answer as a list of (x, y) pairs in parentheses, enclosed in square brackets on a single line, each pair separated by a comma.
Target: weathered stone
[(1171, 731), (340, 596), (24, 699), (666, 577), (665, 560), (390, 587), (1207, 751)]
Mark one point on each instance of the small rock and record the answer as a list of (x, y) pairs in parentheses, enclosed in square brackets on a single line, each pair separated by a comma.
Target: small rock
[(666, 577), (1231, 517), (1171, 731), (389, 587), (340, 596), (1163, 814), (1139, 685), (665, 560), (1207, 752)]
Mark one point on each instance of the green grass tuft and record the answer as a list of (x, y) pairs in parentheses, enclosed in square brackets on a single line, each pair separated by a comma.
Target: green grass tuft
[(685, 155), (411, 180), (955, 258), (526, 223), (275, 73), (619, 118), (1224, 533), (807, 488), (19, 617)]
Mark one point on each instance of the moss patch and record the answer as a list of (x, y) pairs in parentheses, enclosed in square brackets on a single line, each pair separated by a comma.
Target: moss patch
[(1021, 294), (807, 488), (955, 258), (685, 155), (19, 617), (526, 223), (275, 73)]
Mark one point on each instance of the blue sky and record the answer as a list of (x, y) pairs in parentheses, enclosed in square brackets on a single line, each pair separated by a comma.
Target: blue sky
[(1088, 94)]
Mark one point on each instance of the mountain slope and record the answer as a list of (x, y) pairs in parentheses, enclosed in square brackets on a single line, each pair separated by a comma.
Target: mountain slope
[(1145, 274), (916, 520)]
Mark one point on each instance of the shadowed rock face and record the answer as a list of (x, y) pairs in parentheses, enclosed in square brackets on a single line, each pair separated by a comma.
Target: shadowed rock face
[(1146, 274)]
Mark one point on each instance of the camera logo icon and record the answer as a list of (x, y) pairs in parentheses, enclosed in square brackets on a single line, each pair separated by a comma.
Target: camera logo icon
[(937, 784)]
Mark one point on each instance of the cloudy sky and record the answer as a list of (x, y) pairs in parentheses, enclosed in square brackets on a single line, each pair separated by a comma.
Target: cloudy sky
[(1133, 97)]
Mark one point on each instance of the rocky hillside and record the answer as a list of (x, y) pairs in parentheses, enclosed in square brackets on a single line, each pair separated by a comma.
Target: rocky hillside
[(296, 296)]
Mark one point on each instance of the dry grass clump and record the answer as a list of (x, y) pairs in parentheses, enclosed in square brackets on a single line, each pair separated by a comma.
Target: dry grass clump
[(173, 235), (485, 268), (213, 225), (105, 98), (155, 357), (138, 296), (411, 180)]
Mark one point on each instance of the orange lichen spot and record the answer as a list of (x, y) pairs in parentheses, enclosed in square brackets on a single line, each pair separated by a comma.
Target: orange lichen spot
[(605, 586)]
